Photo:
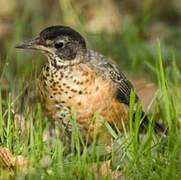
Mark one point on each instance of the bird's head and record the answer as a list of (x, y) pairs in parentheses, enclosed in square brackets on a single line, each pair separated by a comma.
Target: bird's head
[(61, 44)]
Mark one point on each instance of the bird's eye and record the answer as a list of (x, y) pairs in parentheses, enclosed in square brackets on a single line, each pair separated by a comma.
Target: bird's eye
[(58, 45)]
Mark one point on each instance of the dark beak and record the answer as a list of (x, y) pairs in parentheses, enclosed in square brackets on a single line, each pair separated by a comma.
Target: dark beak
[(29, 44)]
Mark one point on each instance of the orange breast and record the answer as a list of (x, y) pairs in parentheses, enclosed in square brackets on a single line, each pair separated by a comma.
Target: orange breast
[(85, 92), (100, 100)]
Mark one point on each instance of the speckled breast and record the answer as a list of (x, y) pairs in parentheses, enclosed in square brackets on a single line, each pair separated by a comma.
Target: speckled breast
[(80, 89)]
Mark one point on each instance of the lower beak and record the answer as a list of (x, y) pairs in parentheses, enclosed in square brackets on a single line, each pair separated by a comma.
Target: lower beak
[(29, 44)]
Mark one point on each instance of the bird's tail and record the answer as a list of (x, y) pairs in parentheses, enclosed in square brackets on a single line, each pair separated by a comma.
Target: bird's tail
[(157, 125)]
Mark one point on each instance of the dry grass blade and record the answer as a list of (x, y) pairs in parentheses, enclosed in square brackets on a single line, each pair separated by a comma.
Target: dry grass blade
[(7, 159), (10, 163)]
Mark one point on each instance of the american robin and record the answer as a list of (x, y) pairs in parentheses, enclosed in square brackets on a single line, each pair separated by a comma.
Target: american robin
[(80, 80)]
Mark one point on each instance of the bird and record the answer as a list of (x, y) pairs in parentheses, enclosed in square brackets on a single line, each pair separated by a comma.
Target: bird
[(79, 82)]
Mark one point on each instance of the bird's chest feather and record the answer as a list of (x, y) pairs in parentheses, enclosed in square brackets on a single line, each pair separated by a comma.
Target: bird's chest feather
[(76, 88)]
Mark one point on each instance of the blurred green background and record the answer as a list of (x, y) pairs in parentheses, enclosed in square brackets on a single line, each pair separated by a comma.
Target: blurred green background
[(128, 31), (125, 30)]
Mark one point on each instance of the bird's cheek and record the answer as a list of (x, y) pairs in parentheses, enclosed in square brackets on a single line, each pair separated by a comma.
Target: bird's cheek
[(67, 54)]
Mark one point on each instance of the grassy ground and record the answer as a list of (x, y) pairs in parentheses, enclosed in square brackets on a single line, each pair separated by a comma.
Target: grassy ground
[(153, 157)]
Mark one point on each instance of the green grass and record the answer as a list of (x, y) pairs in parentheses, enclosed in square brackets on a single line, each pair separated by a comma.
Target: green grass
[(152, 157)]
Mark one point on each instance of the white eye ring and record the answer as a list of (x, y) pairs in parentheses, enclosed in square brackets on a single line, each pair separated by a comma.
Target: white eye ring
[(48, 42)]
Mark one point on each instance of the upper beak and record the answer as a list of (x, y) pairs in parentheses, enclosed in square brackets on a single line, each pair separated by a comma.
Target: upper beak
[(29, 44)]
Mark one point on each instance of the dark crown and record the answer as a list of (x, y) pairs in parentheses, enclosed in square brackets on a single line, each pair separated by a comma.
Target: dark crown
[(54, 31)]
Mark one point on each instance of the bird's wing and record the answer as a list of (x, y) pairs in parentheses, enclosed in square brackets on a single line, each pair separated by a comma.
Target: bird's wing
[(123, 85), (111, 71)]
